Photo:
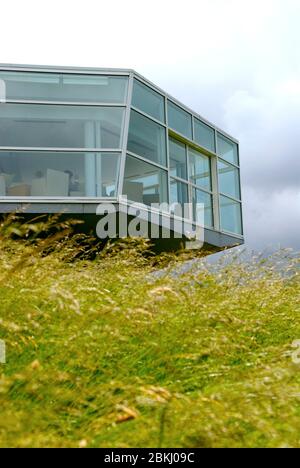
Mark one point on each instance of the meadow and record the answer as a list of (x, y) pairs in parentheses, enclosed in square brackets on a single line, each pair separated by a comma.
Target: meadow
[(106, 352)]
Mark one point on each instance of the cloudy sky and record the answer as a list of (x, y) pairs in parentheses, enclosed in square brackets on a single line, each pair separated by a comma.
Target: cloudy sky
[(236, 63)]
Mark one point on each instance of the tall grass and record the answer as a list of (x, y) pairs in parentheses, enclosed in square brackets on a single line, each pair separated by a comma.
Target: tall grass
[(105, 353)]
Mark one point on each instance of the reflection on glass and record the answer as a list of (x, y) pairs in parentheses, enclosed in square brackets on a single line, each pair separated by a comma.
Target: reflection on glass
[(229, 183), (205, 135), (147, 138), (144, 183), (200, 169), (67, 87), (46, 174), (107, 174), (148, 101), (179, 120), (231, 217), (179, 195), (50, 126), (178, 164), (227, 149), (202, 208)]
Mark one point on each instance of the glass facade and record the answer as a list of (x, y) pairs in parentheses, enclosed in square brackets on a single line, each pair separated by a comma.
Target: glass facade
[(194, 167), (72, 134), (144, 183), (53, 126), (147, 139), (227, 149), (202, 208), (59, 174), (200, 169), (229, 181), (148, 101), (204, 135), (179, 195), (53, 87), (178, 161), (231, 216), (179, 120)]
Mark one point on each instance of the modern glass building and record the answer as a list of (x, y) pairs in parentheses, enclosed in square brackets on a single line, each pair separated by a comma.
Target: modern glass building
[(71, 138)]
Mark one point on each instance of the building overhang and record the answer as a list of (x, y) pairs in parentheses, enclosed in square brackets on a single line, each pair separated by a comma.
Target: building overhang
[(88, 212)]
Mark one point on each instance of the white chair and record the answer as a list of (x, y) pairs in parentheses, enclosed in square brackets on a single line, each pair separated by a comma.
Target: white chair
[(55, 184)]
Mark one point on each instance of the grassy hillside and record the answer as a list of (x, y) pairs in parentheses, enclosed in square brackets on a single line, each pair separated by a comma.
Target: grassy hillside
[(104, 353)]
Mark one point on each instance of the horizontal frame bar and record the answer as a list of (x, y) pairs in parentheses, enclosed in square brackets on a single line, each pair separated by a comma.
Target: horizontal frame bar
[(193, 144), (35, 149), (229, 163), (237, 200), (135, 109), (64, 103), (130, 153), (64, 69), (187, 182)]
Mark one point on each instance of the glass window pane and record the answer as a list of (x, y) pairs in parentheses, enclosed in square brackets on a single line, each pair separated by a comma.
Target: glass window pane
[(229, 182), (202, 208), (59, 174), (50, 126), (200, 169), (148, 101), (147, 138), (178, 195), (144, 183), (64, 87), (231, 217), (178, 163), (205, 135), (107, 174), (227, 149), (179, 120)]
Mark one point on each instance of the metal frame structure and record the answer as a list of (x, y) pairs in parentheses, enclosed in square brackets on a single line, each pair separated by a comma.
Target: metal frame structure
[(88, 204)]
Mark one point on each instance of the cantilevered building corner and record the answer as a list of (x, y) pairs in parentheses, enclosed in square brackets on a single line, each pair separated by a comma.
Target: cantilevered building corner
[(73, 138)]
